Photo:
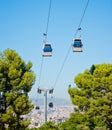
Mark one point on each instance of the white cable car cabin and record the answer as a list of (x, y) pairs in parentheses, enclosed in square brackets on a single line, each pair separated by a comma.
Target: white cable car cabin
[(47, 49), (77, 46)]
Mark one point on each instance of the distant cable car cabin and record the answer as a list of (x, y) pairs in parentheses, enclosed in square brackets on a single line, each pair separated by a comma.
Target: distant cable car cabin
[(47, 49), (77, 45), (51, 105), (37, 107)]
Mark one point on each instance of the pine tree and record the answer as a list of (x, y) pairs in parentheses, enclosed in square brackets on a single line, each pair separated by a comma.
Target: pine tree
[(92, 96), (16, 80)]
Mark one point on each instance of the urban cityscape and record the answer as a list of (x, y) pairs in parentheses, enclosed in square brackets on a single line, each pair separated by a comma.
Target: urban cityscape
[(60, 112)]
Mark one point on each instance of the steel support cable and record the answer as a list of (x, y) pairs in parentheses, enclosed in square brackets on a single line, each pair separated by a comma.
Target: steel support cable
[(40, 73), (47, 25), (45, 35), (79, 26), (58, 75)]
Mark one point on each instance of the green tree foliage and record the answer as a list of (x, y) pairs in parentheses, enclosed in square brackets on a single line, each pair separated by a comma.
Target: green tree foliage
[(67, 125), (75, 122), (48, 126), (16, 80), (92, 97)]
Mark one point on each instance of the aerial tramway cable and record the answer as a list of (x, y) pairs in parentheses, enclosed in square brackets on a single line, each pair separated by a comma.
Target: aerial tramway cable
[(47, 48), (79, 27), (44, 41), (47, 26), (49, 54), (45, 38), (40, 72), (77, 45)]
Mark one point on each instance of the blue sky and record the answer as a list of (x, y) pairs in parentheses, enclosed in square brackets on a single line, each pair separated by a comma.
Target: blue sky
[(23, 22)]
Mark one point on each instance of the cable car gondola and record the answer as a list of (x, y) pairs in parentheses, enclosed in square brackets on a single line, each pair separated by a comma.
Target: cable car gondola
[(50, 105), (47, 49), (37, 107), (77, 46)]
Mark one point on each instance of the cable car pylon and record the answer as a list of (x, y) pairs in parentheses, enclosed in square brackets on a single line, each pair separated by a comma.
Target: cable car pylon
[(45, 90)]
